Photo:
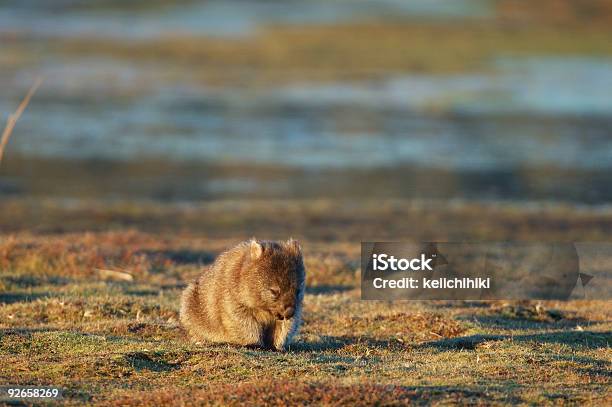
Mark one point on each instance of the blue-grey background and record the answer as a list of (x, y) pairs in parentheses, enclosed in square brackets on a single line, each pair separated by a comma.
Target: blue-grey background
[(521, 127)]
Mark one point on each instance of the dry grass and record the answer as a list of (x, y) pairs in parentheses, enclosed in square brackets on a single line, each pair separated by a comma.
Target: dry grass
[(110, 341), (12, 119)]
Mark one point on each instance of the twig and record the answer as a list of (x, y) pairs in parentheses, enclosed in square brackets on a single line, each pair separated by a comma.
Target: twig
[(108, 274), (12, 119)]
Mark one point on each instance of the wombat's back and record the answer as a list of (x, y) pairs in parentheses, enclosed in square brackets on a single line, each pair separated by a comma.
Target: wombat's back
[(210, 304)]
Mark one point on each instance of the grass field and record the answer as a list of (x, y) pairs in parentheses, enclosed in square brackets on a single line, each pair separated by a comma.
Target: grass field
[(89, 302), (89, 287)]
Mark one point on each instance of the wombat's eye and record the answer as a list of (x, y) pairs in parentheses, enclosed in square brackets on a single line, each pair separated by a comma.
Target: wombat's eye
[(275, 292)]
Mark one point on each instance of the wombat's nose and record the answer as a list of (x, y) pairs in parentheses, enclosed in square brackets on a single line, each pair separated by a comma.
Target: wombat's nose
[(288, 312)]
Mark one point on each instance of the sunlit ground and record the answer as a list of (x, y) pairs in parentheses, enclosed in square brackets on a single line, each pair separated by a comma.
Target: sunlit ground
[(96, 312), (165, 133)]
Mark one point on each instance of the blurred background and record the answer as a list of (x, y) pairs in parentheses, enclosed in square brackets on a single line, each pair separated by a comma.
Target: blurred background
[(180, 101)]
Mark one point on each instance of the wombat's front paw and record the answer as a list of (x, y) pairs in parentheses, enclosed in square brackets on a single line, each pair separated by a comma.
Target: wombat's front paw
[(279, 347), (281, 332)]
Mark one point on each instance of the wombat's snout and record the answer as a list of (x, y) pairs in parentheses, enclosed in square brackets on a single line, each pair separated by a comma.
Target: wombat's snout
[(287, 313)]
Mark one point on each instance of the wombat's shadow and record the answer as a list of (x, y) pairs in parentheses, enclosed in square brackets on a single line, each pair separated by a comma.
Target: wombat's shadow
[(321, 344)]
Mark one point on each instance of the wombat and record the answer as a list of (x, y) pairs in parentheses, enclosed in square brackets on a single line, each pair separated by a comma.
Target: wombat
[(251, 295)]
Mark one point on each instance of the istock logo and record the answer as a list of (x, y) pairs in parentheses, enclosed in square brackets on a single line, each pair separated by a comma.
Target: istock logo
[(384, 262), (485, 270)]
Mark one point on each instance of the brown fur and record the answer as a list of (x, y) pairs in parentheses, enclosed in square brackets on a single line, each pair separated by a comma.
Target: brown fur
[(251, 296)]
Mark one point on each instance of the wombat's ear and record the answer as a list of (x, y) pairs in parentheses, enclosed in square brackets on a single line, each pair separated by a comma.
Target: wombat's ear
[(294, 245), (256, 249)]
